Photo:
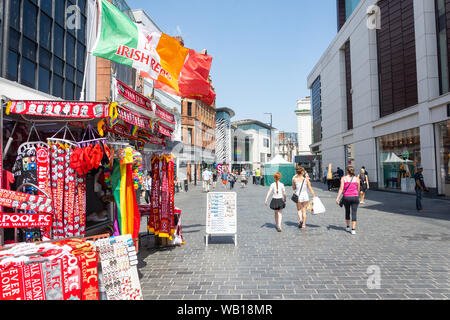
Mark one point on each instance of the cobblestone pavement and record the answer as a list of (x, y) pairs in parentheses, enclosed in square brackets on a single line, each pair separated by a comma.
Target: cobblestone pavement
[(322, 261)]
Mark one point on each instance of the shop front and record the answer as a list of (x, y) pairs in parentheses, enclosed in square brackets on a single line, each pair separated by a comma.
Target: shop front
[(443, 157), (399, 154)]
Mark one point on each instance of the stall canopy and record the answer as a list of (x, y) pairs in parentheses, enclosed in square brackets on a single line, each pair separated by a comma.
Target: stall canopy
[(279, 164)]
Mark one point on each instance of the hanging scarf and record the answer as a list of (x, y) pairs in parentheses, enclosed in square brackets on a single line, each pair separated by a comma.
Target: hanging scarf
[(153, 224), (133, 217), (164, 229), (171, 178), (57, 165), (80, 215), (69, 197), (116, 183)]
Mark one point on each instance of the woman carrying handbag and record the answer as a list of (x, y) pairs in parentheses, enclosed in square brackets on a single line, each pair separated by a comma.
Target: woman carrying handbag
[(278, 202), (349, 189), (301, 185)]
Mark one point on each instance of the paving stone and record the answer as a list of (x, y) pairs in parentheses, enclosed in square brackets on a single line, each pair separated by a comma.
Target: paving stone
[(321, 262)]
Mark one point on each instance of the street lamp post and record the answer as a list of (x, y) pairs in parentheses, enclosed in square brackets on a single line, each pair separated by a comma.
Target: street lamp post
[(269, 113)]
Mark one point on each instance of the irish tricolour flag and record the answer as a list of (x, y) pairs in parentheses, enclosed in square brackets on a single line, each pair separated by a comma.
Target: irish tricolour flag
[(155, 54)]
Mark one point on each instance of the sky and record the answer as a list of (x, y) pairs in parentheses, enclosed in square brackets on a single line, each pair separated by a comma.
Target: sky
[(263, 51)]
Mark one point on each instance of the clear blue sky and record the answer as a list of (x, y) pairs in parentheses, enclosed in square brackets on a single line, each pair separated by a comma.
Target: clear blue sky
[(262, 50)]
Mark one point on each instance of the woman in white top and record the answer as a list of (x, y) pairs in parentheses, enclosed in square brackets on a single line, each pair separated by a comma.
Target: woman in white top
[(278, 203), (301, 185)]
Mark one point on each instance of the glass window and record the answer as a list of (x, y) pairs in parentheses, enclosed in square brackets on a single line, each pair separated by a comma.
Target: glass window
[(81, 52), (82, 6), (79, 78), (70, 73), (444, 152), (70, 49), (58, 42), (77, 93), (28, 73), (350, 6), (44, 80), (45, 33), (30, 12), (29, 49), (60, 12), (58, 66), (13, 62), (47, 6), (81, 34), (57, 86), (14, 39), (442, 45), (398, 157), (14, 14), (45, 58), (69, 94)]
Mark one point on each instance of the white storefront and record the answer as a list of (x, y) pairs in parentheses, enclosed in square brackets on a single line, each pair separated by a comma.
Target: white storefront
[(412, 134)]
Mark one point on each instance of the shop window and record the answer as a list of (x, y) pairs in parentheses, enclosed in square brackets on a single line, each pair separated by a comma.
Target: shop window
[(399, 154), (444, 154)]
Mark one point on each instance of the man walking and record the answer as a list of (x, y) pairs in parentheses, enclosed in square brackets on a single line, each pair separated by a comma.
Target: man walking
[(420, 188), (258, 176), (206, 179), (254, 176)]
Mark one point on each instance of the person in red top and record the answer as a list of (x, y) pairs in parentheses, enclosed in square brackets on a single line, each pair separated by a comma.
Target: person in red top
[(350, 189)]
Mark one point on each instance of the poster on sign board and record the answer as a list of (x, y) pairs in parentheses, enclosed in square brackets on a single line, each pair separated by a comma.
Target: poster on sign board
[(221, 214)]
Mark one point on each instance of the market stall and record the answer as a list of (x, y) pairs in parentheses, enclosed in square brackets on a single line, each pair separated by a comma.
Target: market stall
[(75, 169)]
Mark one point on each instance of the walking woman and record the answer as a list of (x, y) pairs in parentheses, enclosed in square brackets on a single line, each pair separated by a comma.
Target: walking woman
[(364, 181), (225, 178), (301, 185), (278, 203), (350, 189)]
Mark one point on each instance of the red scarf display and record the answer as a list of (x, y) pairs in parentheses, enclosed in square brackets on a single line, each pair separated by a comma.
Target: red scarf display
[(153, 224), (164, 228), (89, 276), (171, 173)]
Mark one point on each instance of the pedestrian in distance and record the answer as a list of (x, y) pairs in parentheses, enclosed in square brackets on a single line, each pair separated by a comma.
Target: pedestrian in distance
[(224, 178), (206, 176), (243, 178), (232, 179), (258, 176), (278, 202), (349, 189), (148, 188), (364, 181), (214, 179), (329, 176), (340, 172), (254, 176), (420, 188), (301, 184)]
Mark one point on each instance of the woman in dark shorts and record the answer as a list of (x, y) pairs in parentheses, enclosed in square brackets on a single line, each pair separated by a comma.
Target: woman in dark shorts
[(278, 203)]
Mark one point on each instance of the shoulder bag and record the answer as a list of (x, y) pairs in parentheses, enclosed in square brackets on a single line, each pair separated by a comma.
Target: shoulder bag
[(341, 202), (295, 196)]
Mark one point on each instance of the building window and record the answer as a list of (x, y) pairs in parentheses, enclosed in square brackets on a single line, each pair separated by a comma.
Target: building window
[(348, 83), (444, 158), (397, 69), (399, 154), (40, 47), (247, 149), (190, 141), (316, 109), (189, 109), (441, 24), (266, 143)]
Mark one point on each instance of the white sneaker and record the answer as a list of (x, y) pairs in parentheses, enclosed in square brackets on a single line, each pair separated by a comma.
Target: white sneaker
[(347, 229), (353, 231)]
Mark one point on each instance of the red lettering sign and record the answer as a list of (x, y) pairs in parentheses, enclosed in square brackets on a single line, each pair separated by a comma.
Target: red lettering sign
[(64, 109), (25, 220), (134, 96)]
